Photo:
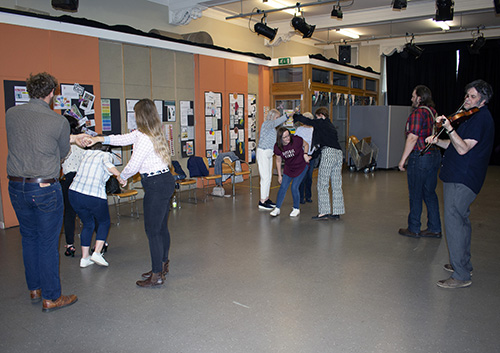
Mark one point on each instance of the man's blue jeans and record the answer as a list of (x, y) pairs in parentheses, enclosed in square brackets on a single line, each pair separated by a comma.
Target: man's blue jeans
[(39, 211), (285, 183), (422, 181)]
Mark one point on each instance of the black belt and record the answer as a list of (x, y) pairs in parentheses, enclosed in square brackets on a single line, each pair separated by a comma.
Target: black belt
[(33, 180)]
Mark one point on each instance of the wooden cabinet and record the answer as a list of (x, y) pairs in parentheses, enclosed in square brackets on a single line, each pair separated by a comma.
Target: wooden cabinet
[(313, 84)]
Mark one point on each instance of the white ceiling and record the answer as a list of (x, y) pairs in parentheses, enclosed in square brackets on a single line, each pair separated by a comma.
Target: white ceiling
[(373, 20)]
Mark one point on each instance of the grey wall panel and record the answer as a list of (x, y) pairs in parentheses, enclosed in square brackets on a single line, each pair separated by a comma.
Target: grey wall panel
[(137, 66), (184, 67), (163, 68), (385, 125), (110, 63)]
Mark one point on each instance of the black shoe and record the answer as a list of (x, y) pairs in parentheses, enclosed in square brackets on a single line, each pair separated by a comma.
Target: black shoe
[(309, 200), (265, 206), (302, 201), (408, 233), (427, 234), (70, 251), (334, 216), (325, 217), (270, 203)]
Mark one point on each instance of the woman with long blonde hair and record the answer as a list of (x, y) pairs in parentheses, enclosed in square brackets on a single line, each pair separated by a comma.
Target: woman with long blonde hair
[(151, 158)]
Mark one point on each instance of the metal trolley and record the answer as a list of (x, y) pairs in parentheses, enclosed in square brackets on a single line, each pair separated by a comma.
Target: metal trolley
[(362, 154)]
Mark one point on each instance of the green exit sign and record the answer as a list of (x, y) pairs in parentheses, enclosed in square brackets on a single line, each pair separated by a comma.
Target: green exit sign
[(284, 61)]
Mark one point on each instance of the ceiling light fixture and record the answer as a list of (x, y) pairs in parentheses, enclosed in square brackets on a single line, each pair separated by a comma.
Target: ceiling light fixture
[(337, 11), (277, 4), (399, 4), (442, 24), (264, 30), (444, 10), (412, 49), (299, 24), (348, 33), (477, 44)]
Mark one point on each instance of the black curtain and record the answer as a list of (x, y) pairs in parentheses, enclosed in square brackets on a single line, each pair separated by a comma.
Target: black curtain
[(437, 69)]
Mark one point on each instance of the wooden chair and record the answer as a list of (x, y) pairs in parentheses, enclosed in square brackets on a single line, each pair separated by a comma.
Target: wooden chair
[(229, 168), (130, 196)]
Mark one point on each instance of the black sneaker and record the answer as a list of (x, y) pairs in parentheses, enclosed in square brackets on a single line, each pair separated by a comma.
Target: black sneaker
[(265, 206), (270, 203)]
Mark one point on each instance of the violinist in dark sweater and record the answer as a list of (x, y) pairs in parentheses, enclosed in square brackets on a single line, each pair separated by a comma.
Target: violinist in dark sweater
[(330, 169), (463, 171)]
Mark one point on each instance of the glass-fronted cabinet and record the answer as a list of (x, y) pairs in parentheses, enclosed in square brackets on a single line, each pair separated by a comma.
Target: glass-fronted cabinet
[(312, 85), (287, 74)]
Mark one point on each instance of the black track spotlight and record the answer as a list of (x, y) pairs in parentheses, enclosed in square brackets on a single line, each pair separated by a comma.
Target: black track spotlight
[(476, 45), (264, 30), (399, 4), (444, 10), (299, 24), (413, 50), (337, 12)]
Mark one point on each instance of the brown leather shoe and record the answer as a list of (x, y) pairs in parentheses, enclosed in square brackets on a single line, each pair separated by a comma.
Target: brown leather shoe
[(36, 295), (427, 234), (61, 302), (408, 233), (156, 279), (164, 271)]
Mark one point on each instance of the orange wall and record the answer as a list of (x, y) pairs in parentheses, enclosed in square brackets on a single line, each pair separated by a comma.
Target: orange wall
[(220, 76), (70, 58)]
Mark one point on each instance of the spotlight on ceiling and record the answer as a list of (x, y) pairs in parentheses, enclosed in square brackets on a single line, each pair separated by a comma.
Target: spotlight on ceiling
[(477, 44), (411, 49), (264, 30), (337, 12), (444, 10), (399, 4), (299, 24)]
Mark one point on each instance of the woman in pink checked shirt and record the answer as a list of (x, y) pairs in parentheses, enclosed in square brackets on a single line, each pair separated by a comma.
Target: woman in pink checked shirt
[(151, 158)]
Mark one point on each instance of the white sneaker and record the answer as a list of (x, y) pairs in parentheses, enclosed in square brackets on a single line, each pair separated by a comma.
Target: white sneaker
[(275, 212), (295, 212), (86, 262), (98, 259)]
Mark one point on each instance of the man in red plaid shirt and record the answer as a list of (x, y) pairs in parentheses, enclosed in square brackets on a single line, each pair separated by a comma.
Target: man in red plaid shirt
[(422, 170)]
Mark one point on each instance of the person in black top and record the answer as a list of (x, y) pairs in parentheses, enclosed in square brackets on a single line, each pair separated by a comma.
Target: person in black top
[(463, 171), (330, 169)]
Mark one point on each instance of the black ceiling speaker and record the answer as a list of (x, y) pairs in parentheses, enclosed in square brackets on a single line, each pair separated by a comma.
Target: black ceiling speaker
[(65, 5), (344, 54)]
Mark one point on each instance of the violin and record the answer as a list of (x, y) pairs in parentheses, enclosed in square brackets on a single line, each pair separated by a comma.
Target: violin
[(459, 117), (456, 119)]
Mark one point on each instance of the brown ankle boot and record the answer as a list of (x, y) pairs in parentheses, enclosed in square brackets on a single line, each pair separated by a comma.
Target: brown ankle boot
[(164, 271), (156, 279)]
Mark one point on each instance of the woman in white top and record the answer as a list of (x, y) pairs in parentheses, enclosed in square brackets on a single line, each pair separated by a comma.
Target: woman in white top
[(87, 195), (151, 158)]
